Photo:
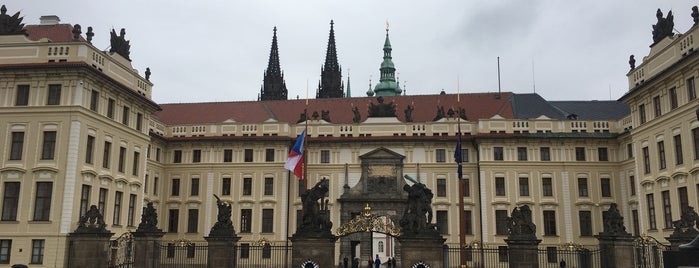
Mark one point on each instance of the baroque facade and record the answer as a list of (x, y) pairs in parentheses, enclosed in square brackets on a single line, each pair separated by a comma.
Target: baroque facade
[(81, 129)]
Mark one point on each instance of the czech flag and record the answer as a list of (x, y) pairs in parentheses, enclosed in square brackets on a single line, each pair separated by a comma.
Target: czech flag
[(295, 161)]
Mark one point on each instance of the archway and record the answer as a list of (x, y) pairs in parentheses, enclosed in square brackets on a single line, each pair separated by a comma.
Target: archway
[(382, 232)]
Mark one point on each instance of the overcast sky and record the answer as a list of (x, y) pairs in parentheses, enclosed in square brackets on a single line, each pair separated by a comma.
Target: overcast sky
[(217, 50)]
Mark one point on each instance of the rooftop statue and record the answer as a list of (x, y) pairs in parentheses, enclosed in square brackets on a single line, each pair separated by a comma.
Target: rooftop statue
[(664, 27), (119, 44), (10, 25), (382, 109)]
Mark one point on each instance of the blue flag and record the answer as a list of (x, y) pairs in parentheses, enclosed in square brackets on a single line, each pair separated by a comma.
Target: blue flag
[(458, 158)]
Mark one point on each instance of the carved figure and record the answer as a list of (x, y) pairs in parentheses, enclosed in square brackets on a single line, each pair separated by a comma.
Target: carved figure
[(695, 14), (409, 113), (325, 115), (614, 223), (303, 116), (440, 113), (520, 225), (315, 115), (10, 25), (418, 213), (149, 220), (89, 34), (316, 215), (632, 62), (382, 109), (92, 222), (357, 117), (223, 225), (462, 113), (77, 30), (148, 73), (664, 27), (119, 44), (687, 220)]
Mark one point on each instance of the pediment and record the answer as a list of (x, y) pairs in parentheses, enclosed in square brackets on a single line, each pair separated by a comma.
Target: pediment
[(381, 153)]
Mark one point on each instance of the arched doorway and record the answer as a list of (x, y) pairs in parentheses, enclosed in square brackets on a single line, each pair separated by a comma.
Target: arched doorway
[(381, 231)]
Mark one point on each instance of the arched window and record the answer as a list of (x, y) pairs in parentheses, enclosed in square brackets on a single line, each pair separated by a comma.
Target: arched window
[(380, 246)]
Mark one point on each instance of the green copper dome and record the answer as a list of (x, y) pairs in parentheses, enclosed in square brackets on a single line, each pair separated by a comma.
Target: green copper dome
[(387, 85)]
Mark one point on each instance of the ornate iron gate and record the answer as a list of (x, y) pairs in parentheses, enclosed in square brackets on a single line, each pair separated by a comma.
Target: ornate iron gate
[(648, 252), (121, 254)]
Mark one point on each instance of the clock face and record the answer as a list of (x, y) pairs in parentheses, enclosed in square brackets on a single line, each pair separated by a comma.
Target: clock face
[(382, 171)]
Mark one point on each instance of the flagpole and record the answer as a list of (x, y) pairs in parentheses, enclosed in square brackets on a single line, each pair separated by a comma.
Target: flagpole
[(462, 215), (305, 143)]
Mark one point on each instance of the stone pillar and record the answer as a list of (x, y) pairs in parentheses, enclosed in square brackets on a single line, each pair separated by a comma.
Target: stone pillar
[(221, 251), (89, 250), (426, 249), (317, 250), (616, 251), (523, 253), (147, 249)]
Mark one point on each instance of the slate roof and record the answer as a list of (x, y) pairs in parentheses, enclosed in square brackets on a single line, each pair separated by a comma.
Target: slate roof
[(531, 105)]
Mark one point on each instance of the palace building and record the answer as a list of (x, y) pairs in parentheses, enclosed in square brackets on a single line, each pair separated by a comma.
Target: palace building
[(81, 129)]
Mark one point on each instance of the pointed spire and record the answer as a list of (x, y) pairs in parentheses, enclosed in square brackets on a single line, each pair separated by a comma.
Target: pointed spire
[(387, 85), (331, 72), (349, 91), (273, 87)]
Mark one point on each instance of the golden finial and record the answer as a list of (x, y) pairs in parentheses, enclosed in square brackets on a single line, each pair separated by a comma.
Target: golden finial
[(367, 210), (386, 25)]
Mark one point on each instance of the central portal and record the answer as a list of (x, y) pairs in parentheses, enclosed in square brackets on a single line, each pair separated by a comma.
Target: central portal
[(380, 188)]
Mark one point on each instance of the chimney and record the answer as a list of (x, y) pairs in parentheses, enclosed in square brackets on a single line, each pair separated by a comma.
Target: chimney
[(49, 20)]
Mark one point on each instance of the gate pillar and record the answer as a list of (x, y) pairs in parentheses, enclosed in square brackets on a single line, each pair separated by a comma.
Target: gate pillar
[(221, 251), (89, 244), (615, 243), (427, 249), (147, 239), (317, 250), (523, 253)]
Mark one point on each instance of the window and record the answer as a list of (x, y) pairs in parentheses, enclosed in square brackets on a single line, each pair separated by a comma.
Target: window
[(545, 153), (500, 186), (247, 186), (117, 207), (582, 187), (226, 186), (381, 246), (661, 154), (37, 251), (94, 100), (54, 97), (42, 202), (585, 218), (105, 155), (102, 201), (5, 250), (579, 153), (606, 187), (269, 155), (498, 154), (155, 186), (678, 150), (245, 220), (157, 154), (646, 160), (173, 220), (464, 155), (89, 149), (632, 184), (656, 106), (122, 159), (551, 255), (17, 146), (690, 89), (248, 155), (667, 208), (636, 226), (267, 220), (269, 186), (501, 222), (193, 220), (547, 186), (84, 199), (194, 191), (132, 207), (602, 153), (177, 156), (325, 156), (642, 113), (49, 146), (139, 121), (227, 155), (110, 108), (145, 184), (521, 153), (441, 187), (467, 187), (651, 211), (196, 156), (468, 222), (136, 159), (10, 201), (22, 98), (440, 155), (523, 186), (175, 190), (673, 98), (244, 250), (442, 222), (549, 222), (684, 200), (629, 151), (125, 116)]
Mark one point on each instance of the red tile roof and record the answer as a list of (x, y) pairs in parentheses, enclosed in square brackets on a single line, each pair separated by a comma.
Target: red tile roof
[(477, 106), (56, 33)]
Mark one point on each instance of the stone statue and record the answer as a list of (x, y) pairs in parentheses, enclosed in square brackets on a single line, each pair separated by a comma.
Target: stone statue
[(451, 113), (409, 113), (92, 222), (357, 117), (149, 220), (440, 113), (687, 220), (315, 219), (382, 109), (89, 34), (614, 223), (520, 225), (10, 25), (632, 62), (147, 73), (664, 27), (695, 14), (303, 116), (462, 114), (223, 225), (418, 213), (77, 30), (325, 115), (119, 43), (315, 115)]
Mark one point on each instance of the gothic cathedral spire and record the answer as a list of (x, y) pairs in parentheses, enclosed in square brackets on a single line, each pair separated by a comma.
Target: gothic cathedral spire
[(273, 86), (331, 73)]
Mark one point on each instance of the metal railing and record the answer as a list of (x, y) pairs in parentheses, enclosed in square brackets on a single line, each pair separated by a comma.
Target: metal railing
[(554, 257), (267, 255)]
